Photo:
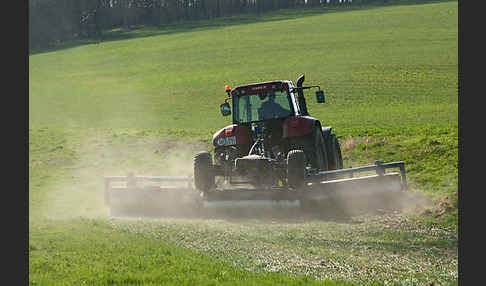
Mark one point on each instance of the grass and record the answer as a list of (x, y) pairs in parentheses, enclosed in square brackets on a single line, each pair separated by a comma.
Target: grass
[(388, 72), (404, 71), (146, 104), (364, 250), (61, 253), (70, 226)]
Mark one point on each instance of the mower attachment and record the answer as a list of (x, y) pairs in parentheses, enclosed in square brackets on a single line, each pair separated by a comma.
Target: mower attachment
[(133, 195), (325, 184), (379, 167), (142, 195)]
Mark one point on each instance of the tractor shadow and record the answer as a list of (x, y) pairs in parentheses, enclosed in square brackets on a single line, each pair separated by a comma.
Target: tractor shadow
[(343, 210)]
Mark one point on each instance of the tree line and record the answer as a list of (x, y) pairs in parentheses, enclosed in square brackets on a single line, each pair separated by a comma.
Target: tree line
[(53, 21)]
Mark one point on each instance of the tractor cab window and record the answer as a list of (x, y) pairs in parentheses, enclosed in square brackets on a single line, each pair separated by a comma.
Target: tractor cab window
[(294, 99), (262, 106)]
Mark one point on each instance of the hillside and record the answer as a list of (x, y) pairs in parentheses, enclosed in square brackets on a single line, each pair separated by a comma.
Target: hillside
[(147, 101)]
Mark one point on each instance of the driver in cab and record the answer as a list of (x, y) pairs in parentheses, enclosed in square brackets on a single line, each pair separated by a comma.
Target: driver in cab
[(270, 109)]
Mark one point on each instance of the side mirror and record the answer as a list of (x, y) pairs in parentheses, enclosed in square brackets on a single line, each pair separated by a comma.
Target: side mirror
[(320, 96), (225, 109)]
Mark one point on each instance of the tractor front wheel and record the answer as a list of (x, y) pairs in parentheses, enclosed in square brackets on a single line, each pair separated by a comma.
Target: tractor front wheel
[(296, 169), (203, 173), (320, 159), (334, 153)]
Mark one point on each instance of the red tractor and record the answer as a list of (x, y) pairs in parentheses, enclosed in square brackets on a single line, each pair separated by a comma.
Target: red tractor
[(272, 142), (288, 157)]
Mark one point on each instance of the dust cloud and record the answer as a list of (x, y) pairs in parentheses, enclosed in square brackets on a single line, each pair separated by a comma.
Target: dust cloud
[(378, 203), (78, 190)]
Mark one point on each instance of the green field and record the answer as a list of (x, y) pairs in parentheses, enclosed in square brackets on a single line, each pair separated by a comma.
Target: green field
[(147, 100)]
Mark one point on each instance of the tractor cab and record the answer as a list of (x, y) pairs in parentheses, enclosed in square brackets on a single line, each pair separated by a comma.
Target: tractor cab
[(267, 100), (263, 101), (273, 113)]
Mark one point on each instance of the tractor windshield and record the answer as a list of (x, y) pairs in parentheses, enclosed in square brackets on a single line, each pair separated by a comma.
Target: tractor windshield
[(261, 106)]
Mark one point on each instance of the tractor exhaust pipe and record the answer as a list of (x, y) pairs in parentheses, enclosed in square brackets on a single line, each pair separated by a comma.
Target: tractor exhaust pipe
[(300, 97)]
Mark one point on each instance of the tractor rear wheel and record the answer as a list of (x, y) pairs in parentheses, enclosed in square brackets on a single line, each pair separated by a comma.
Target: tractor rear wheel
[(296, 169), (203, 174)]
